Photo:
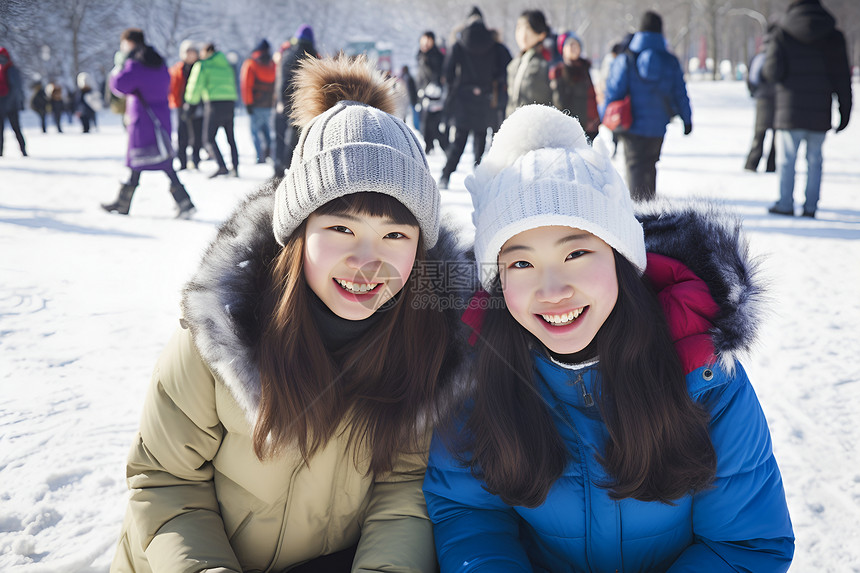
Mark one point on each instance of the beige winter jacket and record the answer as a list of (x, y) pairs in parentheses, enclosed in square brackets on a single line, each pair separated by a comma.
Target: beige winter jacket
[(201, 500)]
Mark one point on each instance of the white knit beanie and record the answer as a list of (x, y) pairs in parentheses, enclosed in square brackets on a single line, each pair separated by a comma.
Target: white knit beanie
[(352, 147), (540, 171)]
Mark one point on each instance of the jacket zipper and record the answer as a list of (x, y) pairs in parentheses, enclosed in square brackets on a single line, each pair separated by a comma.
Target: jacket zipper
[(587, 399)]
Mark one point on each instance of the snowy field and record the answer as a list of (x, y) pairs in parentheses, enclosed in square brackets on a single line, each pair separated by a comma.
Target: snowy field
[(87, 300)]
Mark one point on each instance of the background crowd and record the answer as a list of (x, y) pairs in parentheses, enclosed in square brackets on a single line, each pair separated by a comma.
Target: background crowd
[(465, 86)]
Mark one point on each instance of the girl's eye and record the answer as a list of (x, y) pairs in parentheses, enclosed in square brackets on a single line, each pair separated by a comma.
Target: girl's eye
[(341, 229), (576, 254), (520, 265), (395, 235)]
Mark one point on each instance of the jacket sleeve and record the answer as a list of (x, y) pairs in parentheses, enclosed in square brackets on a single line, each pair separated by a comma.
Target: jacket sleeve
[(680, 99), (396, 534), (246, 83), (839, 71), (194, 87), (123, 82), (742, 523), (617, 84), (773, 69), (474, 530), (173, 503)]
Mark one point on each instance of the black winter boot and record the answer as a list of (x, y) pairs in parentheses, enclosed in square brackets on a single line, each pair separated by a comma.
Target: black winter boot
[(184, 207), (123, 200)]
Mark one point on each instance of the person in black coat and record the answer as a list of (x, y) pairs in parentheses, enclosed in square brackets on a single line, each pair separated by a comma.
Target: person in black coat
[(808, 63), (763, 92), (11, 99), (428, 80), (286, 135), (470, 70)]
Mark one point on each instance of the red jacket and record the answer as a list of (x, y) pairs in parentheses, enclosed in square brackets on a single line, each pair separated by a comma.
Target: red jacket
[(176, 95), (258, 81)]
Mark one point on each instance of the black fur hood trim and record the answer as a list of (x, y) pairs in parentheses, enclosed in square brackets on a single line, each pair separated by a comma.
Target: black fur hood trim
[(220, 302), (709, 241)]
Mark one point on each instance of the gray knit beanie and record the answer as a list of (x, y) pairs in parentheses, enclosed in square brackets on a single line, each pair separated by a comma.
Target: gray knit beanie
[(347, 145), (540, 171)]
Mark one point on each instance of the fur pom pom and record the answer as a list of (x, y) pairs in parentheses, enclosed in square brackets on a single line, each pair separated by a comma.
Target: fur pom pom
[(320, 84), (529, 128)]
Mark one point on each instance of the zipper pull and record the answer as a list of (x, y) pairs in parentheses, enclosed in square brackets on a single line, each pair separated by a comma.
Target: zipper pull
[(586, 397)]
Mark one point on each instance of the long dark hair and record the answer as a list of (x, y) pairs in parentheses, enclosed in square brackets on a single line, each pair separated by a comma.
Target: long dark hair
[(374, 389), (658, 448)]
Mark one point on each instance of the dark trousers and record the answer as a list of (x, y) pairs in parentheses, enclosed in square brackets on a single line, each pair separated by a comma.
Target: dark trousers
[(286, 138), (189, 132), (430, 130), (15, 124), (177, 190), (217, 115), (43, 119), (57, 112), (757, 150), (455, 149), (641, 155)]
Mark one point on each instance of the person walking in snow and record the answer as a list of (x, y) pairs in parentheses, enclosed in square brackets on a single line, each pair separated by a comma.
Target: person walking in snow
[(286, 134), (257, 81), (610, 426), (655, 82), (11, 99), (763, 92), (428, 81), (528, 72), (213, 82), (87, 102), (572, 89), (807, 61), (289, 416), (189, 122), (470, 69), (39, 103), (144, 81)]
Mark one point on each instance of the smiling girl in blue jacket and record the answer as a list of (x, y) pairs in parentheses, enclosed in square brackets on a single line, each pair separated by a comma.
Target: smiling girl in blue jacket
[(610, 426)]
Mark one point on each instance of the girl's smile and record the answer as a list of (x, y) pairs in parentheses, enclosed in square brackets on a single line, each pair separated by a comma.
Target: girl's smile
[(355, 263), (559, 283)]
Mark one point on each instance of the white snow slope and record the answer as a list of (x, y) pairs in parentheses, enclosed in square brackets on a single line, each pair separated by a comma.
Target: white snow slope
[(87, 300)]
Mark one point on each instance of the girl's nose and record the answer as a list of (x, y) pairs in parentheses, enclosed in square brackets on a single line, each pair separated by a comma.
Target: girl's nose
[(554, 288), (364, 257)]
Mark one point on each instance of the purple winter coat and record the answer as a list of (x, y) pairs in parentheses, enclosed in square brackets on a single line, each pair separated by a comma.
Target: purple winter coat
[(146, 72)]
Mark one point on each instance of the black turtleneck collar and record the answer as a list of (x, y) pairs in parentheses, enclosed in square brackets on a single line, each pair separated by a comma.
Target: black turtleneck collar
[(587, 354), (336, 332)]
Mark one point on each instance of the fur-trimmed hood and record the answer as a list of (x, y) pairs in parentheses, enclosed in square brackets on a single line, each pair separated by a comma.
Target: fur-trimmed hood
[(709, 242), (221, 300)]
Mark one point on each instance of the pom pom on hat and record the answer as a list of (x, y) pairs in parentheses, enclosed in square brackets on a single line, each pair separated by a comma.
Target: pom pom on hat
[(540, 171), (350, 143)]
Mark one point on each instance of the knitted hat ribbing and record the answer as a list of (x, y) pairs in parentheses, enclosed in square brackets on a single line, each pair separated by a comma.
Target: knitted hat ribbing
[(352, 147), (540, 171)]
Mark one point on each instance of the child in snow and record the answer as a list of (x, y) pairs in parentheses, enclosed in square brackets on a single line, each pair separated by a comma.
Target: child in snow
[(572, 89), (289, 418), (611, 427)]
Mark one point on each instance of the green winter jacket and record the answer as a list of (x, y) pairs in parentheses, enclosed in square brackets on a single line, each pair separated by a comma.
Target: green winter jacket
[(212, 79)]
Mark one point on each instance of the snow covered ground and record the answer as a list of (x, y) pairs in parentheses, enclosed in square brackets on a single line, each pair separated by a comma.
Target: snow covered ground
[(87, 300)]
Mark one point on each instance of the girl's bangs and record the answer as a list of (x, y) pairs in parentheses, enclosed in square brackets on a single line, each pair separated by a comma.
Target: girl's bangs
[(371, 204)]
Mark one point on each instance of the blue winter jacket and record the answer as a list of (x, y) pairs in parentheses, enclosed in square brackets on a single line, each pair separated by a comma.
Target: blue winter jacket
[(741, 524), (657, 91)]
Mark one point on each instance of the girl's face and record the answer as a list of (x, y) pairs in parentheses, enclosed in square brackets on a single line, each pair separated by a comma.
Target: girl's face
[(560, 284), (571, 51), (525, 36), (355, 263)]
